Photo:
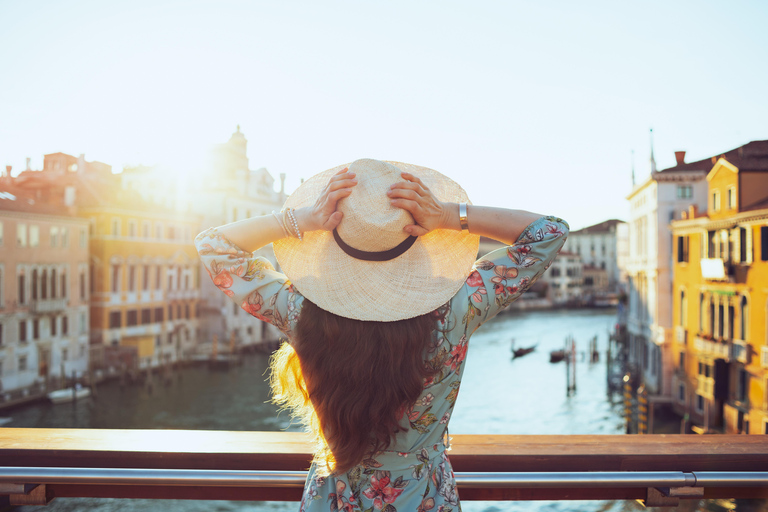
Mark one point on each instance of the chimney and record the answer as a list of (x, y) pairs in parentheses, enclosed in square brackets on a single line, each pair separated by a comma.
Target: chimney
[(28, 160), (680, 157), (8, 171), (282, 183), (692, 211)]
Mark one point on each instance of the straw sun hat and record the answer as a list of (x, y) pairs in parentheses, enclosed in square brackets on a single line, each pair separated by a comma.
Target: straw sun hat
[(421, 279)]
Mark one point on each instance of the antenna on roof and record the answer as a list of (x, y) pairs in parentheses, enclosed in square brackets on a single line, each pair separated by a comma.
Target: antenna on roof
[(653, 160)]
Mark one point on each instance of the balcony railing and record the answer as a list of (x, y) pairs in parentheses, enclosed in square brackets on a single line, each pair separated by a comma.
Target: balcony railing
[(37, 465), (712, 347), (739, 351), (48, 305)]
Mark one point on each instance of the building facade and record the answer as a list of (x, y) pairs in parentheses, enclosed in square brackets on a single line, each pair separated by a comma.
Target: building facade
[(720, 298), (654, 203), (142, 278), (603, 249), (43, 293), (565, 279)]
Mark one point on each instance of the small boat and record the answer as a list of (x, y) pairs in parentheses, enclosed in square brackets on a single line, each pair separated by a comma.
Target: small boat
[(556, 356), (520, 352), (63, 396)]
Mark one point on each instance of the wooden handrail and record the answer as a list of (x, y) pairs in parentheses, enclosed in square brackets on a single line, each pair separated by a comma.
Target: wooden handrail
[(290, 451)]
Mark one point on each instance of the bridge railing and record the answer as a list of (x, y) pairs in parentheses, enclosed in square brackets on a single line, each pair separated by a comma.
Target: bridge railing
[(37, 465)]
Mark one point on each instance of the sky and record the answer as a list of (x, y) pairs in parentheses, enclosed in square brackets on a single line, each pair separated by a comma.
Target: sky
[(532, 105)]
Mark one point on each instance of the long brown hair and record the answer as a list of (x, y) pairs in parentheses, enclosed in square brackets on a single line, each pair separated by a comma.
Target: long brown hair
[(350, 381)]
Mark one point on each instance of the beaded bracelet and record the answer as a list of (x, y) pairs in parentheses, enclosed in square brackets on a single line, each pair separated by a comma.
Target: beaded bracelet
[(287, 223), (294, 222), (282, 226)]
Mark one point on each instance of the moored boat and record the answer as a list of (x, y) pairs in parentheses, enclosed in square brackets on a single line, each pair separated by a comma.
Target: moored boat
[(63, 396), (556, 356), (520, 352)]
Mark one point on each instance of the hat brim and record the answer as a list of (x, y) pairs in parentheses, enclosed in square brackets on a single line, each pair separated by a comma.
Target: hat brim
[(417, 282)]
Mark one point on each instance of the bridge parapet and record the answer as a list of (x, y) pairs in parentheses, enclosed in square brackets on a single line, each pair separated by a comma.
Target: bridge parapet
[(659, 469)]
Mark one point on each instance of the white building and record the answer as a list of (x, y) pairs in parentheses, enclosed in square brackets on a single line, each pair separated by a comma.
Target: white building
[(228, 192), (653, 204), (603, 246), (564, 279)]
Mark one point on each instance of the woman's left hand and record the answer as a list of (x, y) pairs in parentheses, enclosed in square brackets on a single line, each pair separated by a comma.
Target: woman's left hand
[(415, 197), (323, 215)]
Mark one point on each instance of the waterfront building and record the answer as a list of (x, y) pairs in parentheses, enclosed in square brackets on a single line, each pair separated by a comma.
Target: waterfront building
[(229, 191), (654, 203), (142, 274), (43, 293), (603, 248), (565, 279), (721, 299)]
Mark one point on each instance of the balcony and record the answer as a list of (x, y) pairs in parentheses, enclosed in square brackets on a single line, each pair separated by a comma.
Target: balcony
[(713, 348), (41, 306), (740, 351), (705, 387), (41, 464), (681, 335)]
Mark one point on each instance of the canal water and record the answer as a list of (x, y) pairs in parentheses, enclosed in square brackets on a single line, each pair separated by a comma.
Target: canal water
[(499, 395)]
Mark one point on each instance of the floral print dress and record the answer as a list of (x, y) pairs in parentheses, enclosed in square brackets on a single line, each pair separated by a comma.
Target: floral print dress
[(415, 474)]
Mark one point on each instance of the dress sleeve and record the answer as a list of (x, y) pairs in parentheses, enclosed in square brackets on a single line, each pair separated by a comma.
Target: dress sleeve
[(250, 281), (502, 276)]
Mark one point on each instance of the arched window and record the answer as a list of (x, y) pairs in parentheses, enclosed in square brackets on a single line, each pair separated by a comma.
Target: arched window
[(34, 284), (44, 285), (744, 318)]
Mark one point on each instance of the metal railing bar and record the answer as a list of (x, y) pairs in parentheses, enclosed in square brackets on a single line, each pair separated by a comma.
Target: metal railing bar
[(231, 478), (730, 479)]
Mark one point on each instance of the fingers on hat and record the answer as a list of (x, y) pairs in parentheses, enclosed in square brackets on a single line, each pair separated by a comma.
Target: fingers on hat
[(333, 221), (409, 205), (409, 186), (342, 183), (415, 230), (339, 194), (413, 179), (405, 193), (342, 171)]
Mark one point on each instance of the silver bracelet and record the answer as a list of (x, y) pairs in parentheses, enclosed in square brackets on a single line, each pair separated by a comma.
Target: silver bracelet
[(463, 216), (295, 223), (280, 222)]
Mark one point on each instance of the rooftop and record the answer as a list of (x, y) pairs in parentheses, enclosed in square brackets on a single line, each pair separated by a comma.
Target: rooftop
[(606, 226), (752, 156)]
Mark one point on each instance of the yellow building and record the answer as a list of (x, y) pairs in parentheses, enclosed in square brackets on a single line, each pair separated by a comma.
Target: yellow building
[(721, 298), (143, 268)]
